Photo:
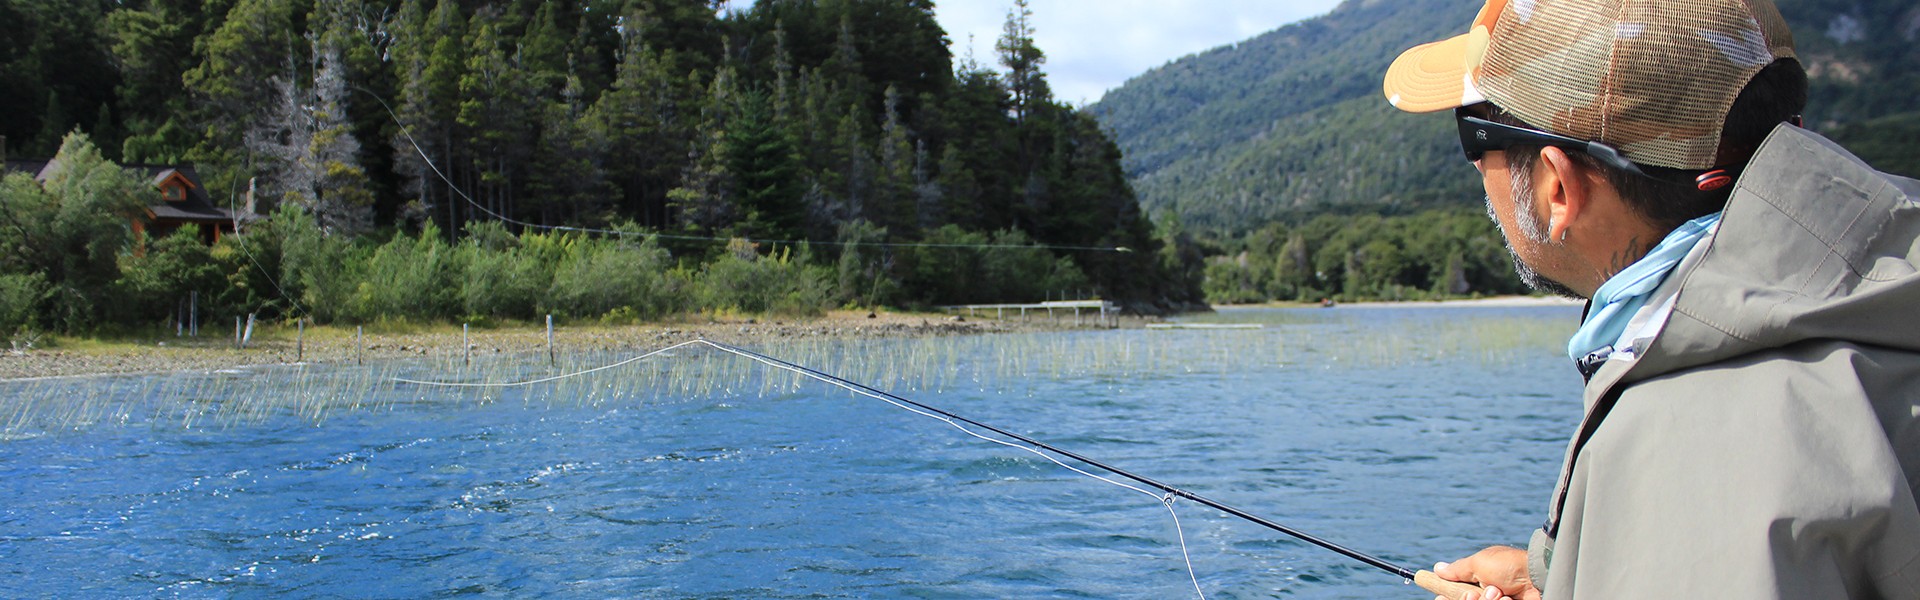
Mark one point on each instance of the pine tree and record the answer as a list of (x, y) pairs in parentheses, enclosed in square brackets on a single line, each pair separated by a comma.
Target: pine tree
[(427, 56), (498, 115), (644, 125), (256, 37), (895, 200), (704, 201), (766, 171), (1024, 63), (564, 183)]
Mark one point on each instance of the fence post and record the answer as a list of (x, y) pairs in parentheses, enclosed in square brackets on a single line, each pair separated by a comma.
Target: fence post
[(247, 338), (236, 332), (552, 358), (193, 315), (359, 344), (467, 342), (300, 342)]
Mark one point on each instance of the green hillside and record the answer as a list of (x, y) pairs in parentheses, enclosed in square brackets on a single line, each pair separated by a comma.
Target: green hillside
[(1290, 125)]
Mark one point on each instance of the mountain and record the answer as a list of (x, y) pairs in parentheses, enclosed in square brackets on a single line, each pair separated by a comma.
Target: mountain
[(1291, 124)]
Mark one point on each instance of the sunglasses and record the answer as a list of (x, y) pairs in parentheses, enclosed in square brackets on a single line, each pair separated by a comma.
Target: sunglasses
[(1479, 136)]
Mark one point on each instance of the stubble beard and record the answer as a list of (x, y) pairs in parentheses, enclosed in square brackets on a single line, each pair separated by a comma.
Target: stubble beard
[(1529, 225)]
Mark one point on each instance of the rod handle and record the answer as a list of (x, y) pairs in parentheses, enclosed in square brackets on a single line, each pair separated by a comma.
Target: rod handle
[(1451, 590)]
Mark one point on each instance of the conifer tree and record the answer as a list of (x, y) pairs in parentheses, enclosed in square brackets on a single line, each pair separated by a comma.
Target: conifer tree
[(427, 54), (895, 201), (1024, 63), (498, 114), (766, 171), (705, 200), (643, 125)]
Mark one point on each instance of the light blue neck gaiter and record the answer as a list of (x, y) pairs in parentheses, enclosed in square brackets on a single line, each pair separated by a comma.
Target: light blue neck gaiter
[(1616, 301)]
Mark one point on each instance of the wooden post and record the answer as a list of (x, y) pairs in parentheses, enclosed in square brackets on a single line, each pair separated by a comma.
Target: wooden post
[(247, 338), (467, 342), (552, 358), (300, 342), (359, 345), (236, 332), (193, 315)]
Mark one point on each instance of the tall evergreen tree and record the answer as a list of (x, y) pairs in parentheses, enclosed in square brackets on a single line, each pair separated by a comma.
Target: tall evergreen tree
[(705, 200), (427, 55), (644, 125), (499, 115), (895, 199), (766, 172)]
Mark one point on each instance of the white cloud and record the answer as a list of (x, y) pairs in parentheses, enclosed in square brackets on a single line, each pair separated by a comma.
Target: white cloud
[(1095, 45)]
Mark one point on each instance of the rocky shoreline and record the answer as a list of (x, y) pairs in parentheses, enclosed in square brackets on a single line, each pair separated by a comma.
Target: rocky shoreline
[(284, 345)]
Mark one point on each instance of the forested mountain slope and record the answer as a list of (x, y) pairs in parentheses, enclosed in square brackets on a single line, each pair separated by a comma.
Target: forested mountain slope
[(1290, 124)]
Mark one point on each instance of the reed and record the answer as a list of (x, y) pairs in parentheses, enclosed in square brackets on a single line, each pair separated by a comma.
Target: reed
[(923, 366)]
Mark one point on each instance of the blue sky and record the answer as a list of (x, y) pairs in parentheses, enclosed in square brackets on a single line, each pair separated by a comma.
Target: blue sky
[(1095, 45)]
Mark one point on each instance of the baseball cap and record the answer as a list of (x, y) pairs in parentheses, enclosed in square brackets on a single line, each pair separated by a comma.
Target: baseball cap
[(1653, 78)]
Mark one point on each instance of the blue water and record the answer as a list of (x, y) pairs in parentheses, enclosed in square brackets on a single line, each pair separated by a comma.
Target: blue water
[(1416, 434)]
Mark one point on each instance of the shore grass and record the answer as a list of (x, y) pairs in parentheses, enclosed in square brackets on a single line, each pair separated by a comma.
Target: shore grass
[(279, 344)]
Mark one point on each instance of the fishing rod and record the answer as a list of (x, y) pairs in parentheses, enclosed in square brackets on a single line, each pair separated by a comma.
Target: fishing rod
[(1426, 579), (1451, 590)]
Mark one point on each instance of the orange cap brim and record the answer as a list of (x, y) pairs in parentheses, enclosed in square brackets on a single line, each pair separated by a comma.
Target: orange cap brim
[(1438, 76)]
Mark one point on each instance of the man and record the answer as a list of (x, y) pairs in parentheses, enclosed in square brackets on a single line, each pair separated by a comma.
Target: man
[(1752, 345)]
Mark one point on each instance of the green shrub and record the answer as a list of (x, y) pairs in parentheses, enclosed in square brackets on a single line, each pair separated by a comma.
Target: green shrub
[(409, 278), (744, 281), (72, 229), (322, 271), (500, 279), (152, 285), (20, 298), (597, 277)]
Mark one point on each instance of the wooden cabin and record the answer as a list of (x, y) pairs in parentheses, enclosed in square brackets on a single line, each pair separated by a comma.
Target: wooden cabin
[(182, 201)]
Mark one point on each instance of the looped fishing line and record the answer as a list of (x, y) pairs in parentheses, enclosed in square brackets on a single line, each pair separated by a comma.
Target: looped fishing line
[(858, 389)]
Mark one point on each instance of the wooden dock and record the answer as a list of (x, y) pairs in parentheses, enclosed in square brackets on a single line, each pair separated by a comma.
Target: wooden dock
[(1107, 312)]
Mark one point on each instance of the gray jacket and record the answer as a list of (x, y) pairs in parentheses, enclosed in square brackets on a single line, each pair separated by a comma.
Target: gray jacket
[(1765, 443)]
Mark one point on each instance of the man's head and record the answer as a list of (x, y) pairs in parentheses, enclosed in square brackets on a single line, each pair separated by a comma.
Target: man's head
[(1629, 102)]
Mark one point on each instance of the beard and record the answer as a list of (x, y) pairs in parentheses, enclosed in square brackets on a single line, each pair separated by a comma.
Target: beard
[(1529, 226)]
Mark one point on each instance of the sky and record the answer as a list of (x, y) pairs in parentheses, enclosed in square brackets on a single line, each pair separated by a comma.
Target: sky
[(1095, 45)]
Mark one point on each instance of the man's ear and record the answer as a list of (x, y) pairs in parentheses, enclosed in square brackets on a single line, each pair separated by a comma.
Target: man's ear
[(1561, 183)]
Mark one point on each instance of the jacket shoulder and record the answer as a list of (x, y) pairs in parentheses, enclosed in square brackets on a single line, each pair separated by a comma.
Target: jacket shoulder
[(1771, 475)]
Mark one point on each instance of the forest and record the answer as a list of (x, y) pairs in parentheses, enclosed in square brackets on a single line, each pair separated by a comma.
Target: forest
[(596, 159)]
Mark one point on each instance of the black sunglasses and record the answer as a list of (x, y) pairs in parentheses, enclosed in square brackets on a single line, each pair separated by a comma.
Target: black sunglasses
[(1479, 136)]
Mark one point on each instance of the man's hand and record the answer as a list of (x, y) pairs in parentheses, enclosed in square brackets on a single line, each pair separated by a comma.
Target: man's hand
[(1501, 570)]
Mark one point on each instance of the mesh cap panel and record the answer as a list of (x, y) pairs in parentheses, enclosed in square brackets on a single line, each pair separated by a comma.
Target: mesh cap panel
[(1654, 78)]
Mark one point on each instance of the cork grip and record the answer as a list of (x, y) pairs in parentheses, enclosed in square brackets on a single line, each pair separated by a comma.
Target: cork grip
[(1451, 590)]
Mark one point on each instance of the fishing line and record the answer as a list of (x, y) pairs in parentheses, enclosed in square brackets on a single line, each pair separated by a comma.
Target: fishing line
[(1166, 500), (405, 132), (1031, 445)]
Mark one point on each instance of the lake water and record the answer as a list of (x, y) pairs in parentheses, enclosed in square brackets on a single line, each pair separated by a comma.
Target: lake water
[(1413, 433)]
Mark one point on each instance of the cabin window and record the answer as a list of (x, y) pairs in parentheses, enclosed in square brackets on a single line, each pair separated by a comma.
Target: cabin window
[(173, 192)]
